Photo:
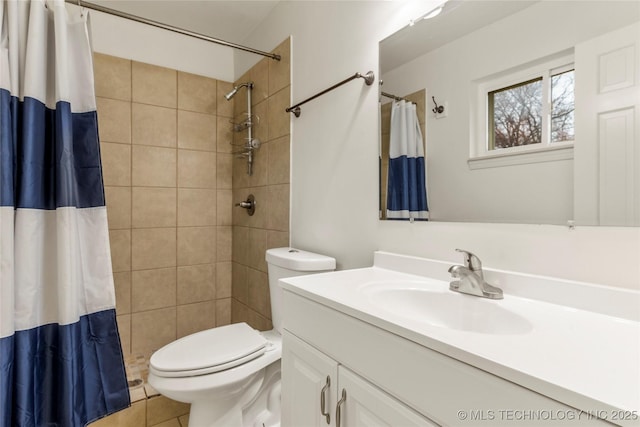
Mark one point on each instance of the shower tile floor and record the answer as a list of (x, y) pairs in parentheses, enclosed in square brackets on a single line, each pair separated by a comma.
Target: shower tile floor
[(137, 368)]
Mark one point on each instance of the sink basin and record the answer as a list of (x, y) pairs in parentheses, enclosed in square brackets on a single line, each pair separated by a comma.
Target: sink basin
[(427, 303)]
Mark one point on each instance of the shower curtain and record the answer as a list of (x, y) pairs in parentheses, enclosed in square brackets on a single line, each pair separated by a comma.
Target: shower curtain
[(406, 187), (60, 357)]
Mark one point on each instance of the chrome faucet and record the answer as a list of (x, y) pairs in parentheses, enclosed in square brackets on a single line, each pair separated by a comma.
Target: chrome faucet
[(472, 279)]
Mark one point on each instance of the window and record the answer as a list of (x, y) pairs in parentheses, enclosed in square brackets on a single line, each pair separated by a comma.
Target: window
[(526, 110)]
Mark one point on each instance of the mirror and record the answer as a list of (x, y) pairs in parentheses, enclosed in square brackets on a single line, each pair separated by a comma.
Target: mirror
[(456, 57)]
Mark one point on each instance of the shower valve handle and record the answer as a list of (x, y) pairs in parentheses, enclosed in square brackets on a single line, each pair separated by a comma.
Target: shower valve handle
[(249, 204)]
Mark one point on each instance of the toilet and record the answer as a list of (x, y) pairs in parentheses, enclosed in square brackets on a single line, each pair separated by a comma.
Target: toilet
[(231, 374)]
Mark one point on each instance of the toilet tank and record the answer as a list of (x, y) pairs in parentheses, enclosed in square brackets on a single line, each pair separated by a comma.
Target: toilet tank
[(290, 262)]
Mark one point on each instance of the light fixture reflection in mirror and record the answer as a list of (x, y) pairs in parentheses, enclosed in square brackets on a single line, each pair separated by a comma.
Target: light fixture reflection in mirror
[(471, 42)]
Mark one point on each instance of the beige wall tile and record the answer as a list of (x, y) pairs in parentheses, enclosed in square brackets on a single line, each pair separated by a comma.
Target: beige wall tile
[(259, 75), (261, 127), (120, 241), (257, 321), (224, 235), (223, 312), (152, 125), (197, 93), (277, 239), (122, 282), (278, 153), (116, 163), (239, 285), (256, 247), (238, 311), (224, 171), (278, 218), (114, 120), (196, 245), (224, 207), (278, 117), (258, 292), (196, 283), (124, 330), (151, 330), (196, 317), (153, 248), (280, 71), (152, 289), (196, 207), (196, 131), (133, 416), (240, 177), (224, 107), (240, 244), (112, 77), (174, 422), (223, 279), (154, 207), (118, 207), (161, 409), (154, 85), (225, 135), (196, 169), (154, 166)]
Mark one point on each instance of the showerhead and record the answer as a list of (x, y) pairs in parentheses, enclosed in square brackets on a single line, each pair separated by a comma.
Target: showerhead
[(232, 93)]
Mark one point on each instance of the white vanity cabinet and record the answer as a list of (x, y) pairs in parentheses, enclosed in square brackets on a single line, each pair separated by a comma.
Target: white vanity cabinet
[(316, 390), (392, 380)]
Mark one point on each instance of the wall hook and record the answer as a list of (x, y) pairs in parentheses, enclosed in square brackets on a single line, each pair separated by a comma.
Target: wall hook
[(439, 109)]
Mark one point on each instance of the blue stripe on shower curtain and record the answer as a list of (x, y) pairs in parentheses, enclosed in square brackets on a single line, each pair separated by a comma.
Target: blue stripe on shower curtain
[(61, 361), (406, 187), (51, 171)]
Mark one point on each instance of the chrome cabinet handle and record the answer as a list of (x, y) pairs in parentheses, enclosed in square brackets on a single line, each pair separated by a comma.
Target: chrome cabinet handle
[(323, 400), (339, 407)]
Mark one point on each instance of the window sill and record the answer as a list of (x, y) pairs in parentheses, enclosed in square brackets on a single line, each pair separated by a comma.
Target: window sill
[(521, 158)]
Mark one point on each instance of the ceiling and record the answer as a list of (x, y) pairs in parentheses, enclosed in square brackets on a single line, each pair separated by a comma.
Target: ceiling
[(232, 21), (458, 17)]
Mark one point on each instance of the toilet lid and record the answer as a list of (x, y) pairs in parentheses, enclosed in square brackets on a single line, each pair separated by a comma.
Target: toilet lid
[(209, 351)]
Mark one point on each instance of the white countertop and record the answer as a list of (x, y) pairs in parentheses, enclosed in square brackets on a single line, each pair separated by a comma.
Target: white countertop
[(582, 358)]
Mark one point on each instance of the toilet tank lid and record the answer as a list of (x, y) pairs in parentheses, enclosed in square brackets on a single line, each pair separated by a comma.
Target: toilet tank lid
[(298, 260)]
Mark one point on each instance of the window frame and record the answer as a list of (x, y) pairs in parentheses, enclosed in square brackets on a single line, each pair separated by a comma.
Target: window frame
[(480, 155)]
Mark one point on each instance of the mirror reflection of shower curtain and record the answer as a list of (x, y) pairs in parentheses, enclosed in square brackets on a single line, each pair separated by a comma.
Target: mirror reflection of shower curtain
[(406, 186)]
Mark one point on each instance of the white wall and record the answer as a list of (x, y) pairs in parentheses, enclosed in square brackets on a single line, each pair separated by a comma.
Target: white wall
[(128, 39), (335, 170)]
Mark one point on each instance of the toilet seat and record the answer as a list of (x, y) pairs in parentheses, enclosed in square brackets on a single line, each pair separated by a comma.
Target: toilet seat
[(208, 351)]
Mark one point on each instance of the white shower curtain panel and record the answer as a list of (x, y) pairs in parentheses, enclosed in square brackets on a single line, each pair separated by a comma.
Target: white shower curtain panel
[(60, 356)]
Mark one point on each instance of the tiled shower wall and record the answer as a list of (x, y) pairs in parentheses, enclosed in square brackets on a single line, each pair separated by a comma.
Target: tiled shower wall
[(269, 226), (167, 168)]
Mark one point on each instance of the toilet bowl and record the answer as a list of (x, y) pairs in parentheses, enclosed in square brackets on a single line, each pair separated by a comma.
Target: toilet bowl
[(231, 374)]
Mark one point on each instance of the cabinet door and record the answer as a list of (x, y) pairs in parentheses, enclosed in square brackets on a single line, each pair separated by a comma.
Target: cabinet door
[(307, 375), (365, 405)]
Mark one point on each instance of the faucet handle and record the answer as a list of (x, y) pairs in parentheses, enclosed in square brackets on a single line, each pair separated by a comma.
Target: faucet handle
[(472, 262)]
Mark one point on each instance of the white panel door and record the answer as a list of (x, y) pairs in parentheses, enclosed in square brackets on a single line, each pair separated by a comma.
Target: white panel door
[(364, 405), (607, 147), (307, 376)]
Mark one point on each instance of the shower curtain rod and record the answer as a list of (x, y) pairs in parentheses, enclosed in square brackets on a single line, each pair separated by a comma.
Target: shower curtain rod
[(368, 79), (156, 24), (395, 97)]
